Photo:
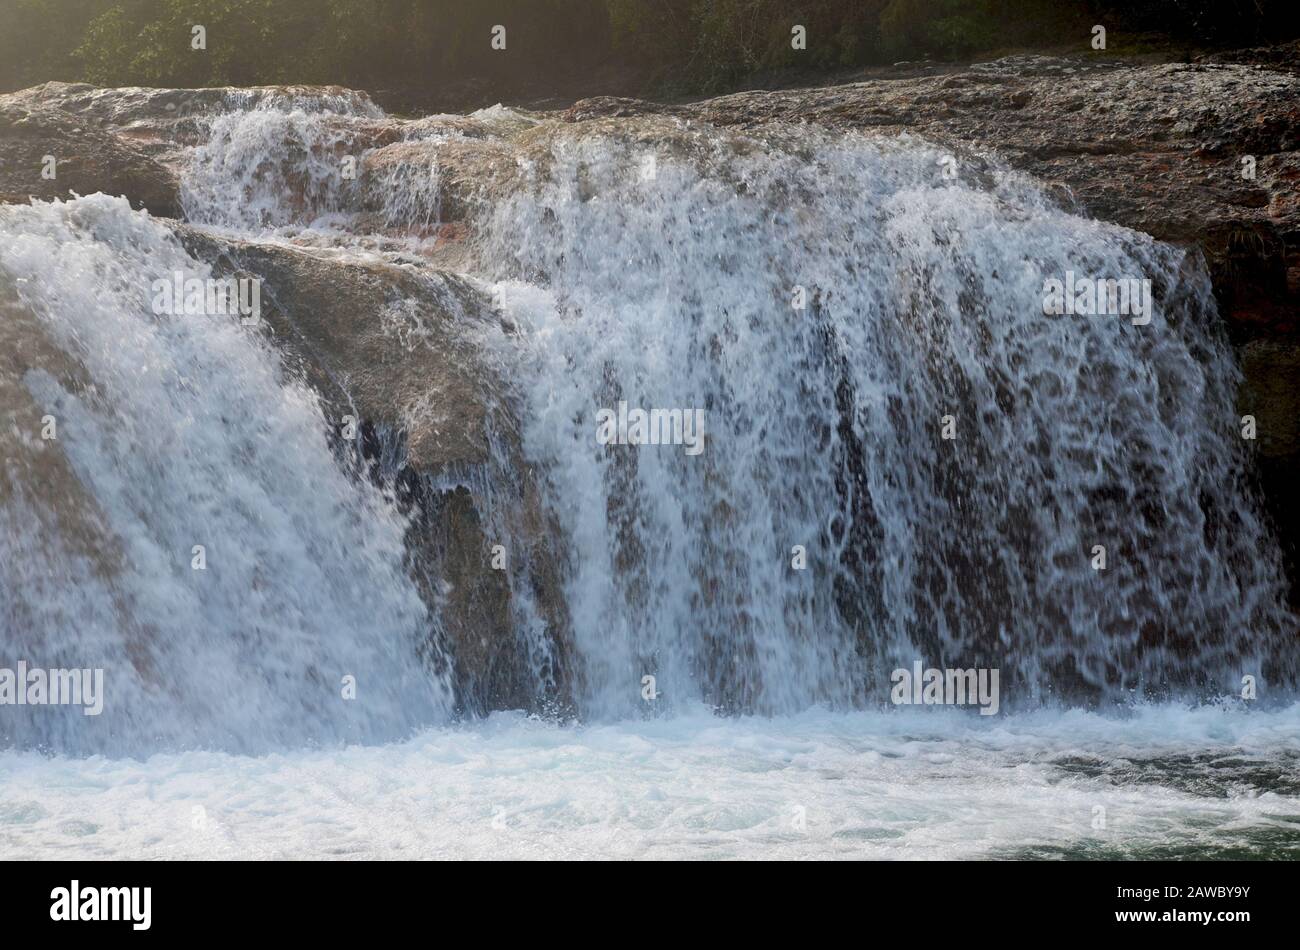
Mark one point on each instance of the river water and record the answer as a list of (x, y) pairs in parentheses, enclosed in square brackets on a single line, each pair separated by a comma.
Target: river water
[(900, 457)]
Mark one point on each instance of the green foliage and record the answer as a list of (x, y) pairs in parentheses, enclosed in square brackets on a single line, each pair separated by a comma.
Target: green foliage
[(38, 39), (421, 46)]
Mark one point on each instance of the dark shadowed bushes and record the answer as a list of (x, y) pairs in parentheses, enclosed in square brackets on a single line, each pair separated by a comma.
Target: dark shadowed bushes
[(423, 46)]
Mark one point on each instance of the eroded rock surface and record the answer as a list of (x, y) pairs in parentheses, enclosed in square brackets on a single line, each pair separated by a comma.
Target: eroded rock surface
[(49, 154)]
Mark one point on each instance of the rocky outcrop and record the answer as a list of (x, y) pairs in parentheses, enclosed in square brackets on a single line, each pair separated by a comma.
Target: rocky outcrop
[(130, 141), (48, 154), (388, 347), (377, 340), (169, 117), (1205, 153)]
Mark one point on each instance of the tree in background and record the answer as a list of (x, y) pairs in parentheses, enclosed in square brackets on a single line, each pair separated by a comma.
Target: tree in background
[(670, 46)]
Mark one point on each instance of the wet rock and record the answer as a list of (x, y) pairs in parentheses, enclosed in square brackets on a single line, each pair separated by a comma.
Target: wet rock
[(132, 141), (1271, 395), (415, 186), (390, 345), (175, 116), (1200, 153), (47, 154), (376, 337)]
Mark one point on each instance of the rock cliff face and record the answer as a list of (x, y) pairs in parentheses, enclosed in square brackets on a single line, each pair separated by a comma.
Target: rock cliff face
[(1203, 154)]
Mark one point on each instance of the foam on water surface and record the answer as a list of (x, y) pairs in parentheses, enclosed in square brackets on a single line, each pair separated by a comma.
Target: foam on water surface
[(1171, 781)]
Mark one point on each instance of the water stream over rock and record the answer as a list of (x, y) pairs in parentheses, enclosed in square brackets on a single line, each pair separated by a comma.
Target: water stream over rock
[(397, 475)]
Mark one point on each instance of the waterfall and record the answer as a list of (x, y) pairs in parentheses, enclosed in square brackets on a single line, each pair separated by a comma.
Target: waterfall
[(830, 303), (271, 161), (280, 162), (881, 445), (175, 432)]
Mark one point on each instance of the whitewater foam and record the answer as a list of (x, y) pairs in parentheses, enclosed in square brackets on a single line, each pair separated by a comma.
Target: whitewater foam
[(185, 434), (829, 424), (1170, 781)]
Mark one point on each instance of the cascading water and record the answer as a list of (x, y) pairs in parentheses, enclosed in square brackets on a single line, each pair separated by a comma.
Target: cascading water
[(274, 162), (824, 429), (818, 530), (183, 433)]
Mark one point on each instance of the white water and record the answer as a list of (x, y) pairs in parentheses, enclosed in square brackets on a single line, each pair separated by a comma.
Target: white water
[(1171, 781), (186, 433), (821, 430), (278, 165), (274, 161)]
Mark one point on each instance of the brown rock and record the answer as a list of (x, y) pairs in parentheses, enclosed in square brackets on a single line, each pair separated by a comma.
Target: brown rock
[(86, 161), (1271, 393), (388, 344)]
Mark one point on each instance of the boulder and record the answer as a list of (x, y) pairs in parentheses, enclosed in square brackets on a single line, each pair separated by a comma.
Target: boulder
[(47, 154), (390, 344)]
